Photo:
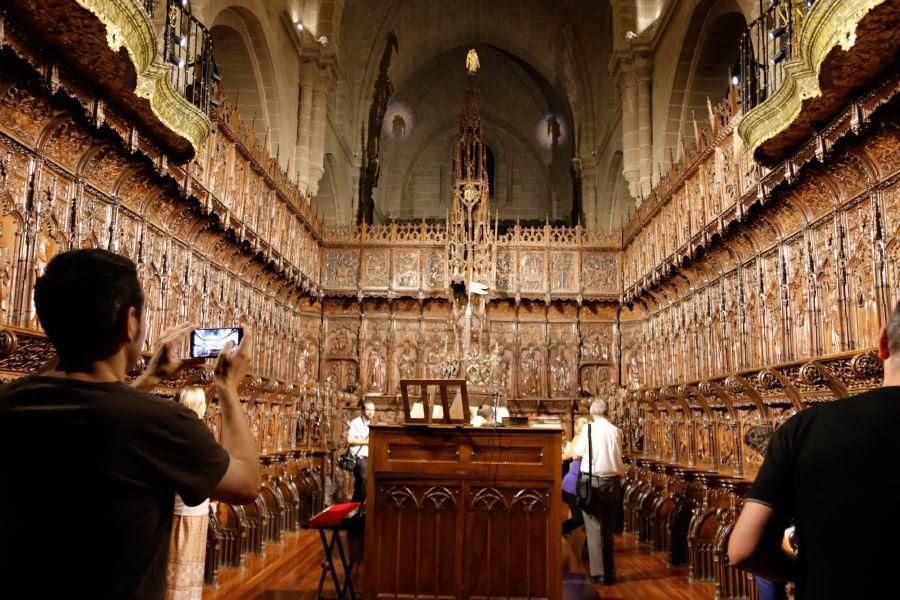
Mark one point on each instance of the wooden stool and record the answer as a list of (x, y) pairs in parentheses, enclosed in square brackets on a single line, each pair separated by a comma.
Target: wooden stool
[(335, 519)]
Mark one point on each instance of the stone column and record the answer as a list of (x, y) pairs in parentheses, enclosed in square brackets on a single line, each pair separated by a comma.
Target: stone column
[(643, 74), (304, 118), (317, 133), (589, 191), (630, 125)]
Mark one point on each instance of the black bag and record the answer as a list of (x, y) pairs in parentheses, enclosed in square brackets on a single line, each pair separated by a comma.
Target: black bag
[(348, 461), (583, 489)]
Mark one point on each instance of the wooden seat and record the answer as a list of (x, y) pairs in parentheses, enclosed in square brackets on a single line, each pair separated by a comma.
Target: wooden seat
[(335, 519)]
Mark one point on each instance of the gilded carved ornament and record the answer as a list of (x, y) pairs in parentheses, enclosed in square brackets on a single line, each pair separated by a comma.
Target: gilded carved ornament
[(828, 24), (129, 27)]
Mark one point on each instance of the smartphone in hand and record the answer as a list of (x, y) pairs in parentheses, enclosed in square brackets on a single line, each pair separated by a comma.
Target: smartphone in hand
[(208, 343)]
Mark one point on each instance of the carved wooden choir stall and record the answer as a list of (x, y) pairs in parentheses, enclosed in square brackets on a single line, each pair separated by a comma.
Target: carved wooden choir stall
[(749, 284)]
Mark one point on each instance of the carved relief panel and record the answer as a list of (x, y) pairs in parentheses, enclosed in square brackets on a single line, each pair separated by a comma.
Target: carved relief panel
[(532, 365), (405, 270), (564, 272), (376, 352), (600, 273), (506, 272), (563, 357), (532, 272), (434, 276), (504, 335), (341, 269), (376, 269)]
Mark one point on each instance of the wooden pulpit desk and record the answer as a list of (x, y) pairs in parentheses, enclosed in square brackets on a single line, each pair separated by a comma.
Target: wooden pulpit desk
[(458, 512)]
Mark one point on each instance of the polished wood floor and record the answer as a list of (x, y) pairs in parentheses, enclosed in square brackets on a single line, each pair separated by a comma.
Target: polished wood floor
[(290, 571)]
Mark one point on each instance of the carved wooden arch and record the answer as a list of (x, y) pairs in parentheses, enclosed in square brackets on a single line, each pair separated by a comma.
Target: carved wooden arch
[(737, 383), (737, 245), (489, 500), (724, 257), (86, 158), (680, 282), (696, 277), (769, 218), (529, 500), (886, 137), (688, 391), (641, 397), (60, 120), (126, 174), (815, 373), (713, 388), (757, 229), (870, 169), (771, 377), (851, 175), (440, 498), (815, 179), (656, 396), (671, 393), (402, 496)]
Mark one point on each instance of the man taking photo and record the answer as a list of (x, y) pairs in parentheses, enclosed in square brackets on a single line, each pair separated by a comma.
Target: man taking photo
[(89, 465)]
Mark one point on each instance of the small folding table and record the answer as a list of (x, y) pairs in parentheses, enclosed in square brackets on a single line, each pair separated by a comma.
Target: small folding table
[(335, 519)]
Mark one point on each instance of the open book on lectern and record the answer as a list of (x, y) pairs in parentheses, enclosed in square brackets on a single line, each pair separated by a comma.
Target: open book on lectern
[(434, 400)]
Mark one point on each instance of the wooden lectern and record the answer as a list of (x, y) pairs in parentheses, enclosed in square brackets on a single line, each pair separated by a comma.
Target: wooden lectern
[(458, 512)]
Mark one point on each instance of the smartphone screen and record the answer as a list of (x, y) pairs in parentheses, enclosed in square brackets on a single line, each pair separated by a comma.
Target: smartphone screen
[(207, 343)]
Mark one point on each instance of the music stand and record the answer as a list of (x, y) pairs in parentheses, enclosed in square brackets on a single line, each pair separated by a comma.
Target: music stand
[(443, 385)]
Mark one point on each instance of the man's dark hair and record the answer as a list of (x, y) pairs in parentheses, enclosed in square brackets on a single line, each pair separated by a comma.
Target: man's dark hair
[(82, 300)]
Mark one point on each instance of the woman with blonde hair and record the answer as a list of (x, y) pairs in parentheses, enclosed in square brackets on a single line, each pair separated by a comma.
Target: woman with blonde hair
[(187, 546)]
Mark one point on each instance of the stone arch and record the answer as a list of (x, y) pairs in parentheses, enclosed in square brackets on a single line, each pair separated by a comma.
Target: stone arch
[(469, 29), (244, 59), (713, 24)]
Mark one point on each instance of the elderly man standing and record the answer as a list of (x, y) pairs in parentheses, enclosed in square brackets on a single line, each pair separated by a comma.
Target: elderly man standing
[(600, 447)]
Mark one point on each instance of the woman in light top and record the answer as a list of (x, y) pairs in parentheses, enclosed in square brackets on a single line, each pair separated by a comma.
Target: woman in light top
[(187, 547)]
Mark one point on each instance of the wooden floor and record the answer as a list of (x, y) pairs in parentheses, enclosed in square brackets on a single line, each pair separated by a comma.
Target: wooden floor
[(290, 571)]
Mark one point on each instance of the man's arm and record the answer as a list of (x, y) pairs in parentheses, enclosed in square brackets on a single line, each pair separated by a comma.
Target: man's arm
[(354, 437), (755, 544), (242, 480)]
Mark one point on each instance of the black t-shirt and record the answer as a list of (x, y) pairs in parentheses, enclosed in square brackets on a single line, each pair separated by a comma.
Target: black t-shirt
[(88, 474), (832, 469)]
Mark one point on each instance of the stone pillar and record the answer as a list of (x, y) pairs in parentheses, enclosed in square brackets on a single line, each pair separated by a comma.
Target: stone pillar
[(630, 125), (317, 134), (303, 128), (645, 125), (589, 191)]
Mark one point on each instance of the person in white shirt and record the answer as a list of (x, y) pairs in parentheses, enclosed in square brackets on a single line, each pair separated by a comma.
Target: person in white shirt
[(484, 416), (603, 458), (358, 440)]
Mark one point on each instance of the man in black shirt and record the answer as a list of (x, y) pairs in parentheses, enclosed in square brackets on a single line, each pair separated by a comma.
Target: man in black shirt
[(830, 469), (89, 466)]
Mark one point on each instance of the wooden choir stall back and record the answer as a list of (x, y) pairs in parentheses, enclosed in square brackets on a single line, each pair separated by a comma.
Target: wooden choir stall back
[(459, 512)]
